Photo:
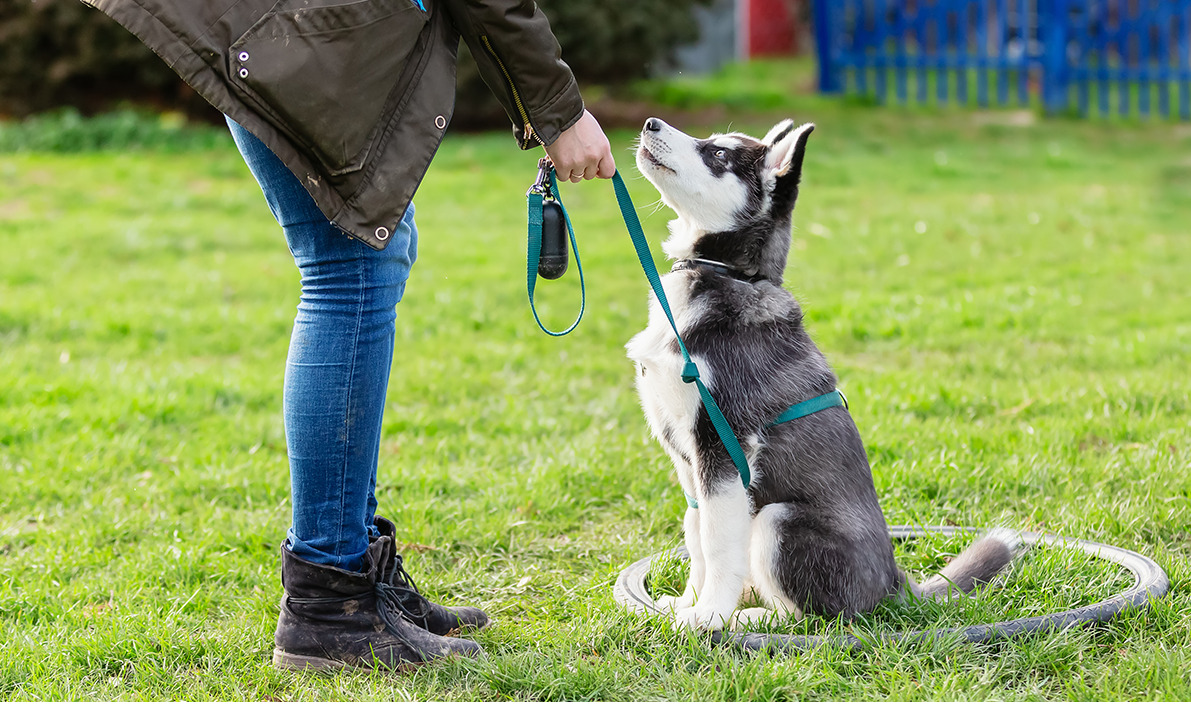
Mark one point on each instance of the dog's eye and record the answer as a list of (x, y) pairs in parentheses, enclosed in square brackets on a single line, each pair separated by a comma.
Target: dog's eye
[(721, 154)]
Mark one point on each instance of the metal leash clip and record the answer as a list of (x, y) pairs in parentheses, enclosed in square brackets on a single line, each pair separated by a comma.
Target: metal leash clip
[(542, 185)]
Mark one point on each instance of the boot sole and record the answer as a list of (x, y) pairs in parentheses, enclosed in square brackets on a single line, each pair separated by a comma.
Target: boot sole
[(301, 662)]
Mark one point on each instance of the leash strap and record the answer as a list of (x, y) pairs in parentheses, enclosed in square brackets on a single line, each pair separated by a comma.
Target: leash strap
[(811, 406), (534, 253), (690, 372)]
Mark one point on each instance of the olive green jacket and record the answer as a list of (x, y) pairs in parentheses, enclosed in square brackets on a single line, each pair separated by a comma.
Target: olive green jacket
[(354, 95)]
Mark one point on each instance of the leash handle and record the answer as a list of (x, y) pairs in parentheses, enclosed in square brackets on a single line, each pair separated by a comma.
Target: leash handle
[(690, 371), (546, 186)]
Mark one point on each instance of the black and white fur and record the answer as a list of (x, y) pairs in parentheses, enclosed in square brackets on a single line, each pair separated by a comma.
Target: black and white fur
[(808, 534)]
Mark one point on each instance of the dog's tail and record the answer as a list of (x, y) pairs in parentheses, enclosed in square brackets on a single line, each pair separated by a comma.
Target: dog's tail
[(977, 564)]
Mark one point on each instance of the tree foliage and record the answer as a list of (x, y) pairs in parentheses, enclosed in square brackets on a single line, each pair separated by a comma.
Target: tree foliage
[(604, 41), (61, 52)]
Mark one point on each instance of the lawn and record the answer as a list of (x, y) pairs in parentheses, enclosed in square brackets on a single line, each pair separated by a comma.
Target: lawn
[(1005, 300)]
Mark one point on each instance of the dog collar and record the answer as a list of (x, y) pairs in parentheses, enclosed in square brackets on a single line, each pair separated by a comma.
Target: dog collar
[(718, 267)]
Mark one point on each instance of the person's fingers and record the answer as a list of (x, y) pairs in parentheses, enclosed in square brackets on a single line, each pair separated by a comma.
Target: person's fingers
[(607, 167), (597, 165), (582, 152)]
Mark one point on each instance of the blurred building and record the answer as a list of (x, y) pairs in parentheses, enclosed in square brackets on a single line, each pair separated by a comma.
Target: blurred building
[(738, 30)]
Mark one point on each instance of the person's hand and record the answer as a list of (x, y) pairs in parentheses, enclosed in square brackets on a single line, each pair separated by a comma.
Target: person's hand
[(582, 152)]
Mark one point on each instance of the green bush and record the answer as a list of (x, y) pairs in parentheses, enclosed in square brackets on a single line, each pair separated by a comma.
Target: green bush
[(65, 130), (612, 41), (609, 42), (57, 53), (61, 52)]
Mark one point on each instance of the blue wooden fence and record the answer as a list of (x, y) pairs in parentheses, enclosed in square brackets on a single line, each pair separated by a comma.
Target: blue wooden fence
[(1088, 55)]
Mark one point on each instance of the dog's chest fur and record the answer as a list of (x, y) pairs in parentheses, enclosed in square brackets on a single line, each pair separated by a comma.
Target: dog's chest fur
[(671, 406)]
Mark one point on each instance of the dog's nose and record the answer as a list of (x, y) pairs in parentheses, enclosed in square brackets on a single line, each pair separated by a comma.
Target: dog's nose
[(654, 125)]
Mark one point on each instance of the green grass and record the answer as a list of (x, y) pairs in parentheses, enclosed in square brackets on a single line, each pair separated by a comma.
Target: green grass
[(1006, 307)]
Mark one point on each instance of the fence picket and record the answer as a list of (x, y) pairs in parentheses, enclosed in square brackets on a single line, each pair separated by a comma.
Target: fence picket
[(1163, 24), (899, 39), (1002, 40), (982, 64), (880, 39), (957, 27), (1127, 55), (1103, 67), (1143, 62), (1184, 31), (1082, 74), (1023, 41)]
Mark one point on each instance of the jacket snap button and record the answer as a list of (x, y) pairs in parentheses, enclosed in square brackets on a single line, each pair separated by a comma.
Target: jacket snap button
[(243, 56), (382, 234), (243, 72), (440, 122)]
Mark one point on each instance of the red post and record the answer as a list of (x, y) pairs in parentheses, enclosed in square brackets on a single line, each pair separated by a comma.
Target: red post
[(773, 27)]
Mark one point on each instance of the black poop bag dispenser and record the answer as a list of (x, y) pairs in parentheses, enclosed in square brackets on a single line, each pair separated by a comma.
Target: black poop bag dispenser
[(552, 258), (549, 230)]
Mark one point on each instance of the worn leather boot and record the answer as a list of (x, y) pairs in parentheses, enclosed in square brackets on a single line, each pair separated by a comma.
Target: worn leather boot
[(332, 618), (435, 619)]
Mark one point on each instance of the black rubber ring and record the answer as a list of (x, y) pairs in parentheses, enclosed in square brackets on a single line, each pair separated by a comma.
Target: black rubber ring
[(1150, 583)]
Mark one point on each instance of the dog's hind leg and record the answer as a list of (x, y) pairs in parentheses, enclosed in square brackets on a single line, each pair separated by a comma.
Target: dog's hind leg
[(698, 567), (724, 524), (764, 553)]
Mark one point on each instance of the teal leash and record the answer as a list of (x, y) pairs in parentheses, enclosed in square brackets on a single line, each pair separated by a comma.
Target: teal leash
[(810, 406), (690, 371), (535, 198)]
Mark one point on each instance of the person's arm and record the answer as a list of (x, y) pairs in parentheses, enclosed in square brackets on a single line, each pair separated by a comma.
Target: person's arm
[(521, 62)]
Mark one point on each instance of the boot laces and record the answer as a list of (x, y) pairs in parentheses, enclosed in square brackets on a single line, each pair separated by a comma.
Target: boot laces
[(398, 592), (395, 602), (397, 575)]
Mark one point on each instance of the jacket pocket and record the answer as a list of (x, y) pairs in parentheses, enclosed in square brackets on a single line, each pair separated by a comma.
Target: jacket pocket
[(325, 72)]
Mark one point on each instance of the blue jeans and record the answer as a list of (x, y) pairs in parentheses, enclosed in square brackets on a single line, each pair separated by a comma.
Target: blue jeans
[(337, 371)]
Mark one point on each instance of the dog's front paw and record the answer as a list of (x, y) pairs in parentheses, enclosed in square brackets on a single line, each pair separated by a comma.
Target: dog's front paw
[(674, 603), (753, 618), (701, 618)]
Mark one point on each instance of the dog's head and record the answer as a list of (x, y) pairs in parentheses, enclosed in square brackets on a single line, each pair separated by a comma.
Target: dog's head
[(733, 194)]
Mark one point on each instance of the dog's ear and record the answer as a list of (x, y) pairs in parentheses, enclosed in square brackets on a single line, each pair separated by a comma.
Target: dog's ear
[(787, 150), (779, 131)]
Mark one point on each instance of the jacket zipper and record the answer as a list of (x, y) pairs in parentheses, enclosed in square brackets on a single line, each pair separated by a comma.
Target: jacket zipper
[(529, 131)]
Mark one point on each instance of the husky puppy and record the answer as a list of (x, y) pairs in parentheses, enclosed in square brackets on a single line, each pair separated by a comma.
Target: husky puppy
[(807, 534)]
